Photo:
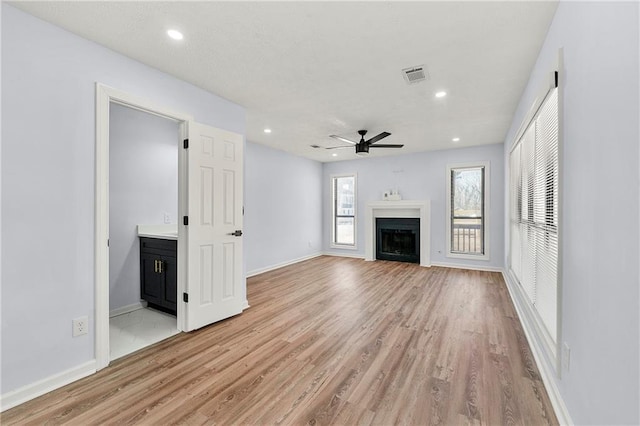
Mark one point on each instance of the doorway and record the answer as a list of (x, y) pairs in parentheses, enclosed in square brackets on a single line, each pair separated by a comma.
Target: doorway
[(105, 98), (143, 203), (211, 285)]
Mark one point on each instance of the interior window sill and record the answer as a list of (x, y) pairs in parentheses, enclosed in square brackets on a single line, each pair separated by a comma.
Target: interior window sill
[(344, 246), (484, 257)]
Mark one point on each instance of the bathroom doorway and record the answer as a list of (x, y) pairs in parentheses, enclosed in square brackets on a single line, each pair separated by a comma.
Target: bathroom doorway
[(143, 202), (208, 247)]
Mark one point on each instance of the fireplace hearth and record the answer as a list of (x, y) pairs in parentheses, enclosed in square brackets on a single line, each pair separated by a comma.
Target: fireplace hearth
[(398, 239)]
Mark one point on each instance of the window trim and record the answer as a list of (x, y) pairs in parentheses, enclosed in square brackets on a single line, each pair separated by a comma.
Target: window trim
[(333, 243), (486, 210)]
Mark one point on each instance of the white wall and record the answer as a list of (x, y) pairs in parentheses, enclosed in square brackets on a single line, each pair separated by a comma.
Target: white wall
[(48, 157), (422, 176), (599, 183), (143, 186), (283, 208)]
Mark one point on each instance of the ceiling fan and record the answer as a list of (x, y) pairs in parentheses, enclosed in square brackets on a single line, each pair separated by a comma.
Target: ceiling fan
[(362, 147)]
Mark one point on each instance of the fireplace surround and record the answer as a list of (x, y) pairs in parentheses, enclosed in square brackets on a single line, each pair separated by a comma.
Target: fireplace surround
[(398, 209)]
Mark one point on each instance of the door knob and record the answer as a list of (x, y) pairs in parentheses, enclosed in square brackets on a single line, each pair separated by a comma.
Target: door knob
[(237, 233)]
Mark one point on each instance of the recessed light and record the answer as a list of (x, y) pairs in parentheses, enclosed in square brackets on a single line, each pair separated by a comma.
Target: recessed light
[(441, 94), (456, 139), (334, 155), (175, 34), (267, 130)]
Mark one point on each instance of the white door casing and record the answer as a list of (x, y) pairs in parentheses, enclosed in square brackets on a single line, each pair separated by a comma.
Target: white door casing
[(214, 282), (104, 96)]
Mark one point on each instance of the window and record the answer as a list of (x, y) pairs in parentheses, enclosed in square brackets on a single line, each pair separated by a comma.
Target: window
[(467, 187), (533, 213), (344, 210)]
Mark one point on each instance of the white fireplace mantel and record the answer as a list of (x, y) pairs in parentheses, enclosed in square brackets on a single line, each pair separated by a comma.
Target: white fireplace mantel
[(404, 208)]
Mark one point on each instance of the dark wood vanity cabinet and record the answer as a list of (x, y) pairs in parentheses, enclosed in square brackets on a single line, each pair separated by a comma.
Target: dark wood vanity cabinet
[(159, 273)]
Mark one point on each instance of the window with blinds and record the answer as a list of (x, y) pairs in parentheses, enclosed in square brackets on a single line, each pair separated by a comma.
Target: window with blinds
[(533, 190)]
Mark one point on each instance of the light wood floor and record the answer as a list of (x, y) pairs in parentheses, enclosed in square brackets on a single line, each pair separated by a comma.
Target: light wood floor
[(328, 341)]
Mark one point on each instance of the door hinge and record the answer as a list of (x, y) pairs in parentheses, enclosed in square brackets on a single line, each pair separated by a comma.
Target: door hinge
[(185, 220), (185, 297), (555, 76), (185, 143)]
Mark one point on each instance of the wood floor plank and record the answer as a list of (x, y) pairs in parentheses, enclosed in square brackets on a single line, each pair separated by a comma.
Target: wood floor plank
[(328, 341)]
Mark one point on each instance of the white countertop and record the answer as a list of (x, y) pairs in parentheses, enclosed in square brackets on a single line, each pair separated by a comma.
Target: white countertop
[(165, 232)]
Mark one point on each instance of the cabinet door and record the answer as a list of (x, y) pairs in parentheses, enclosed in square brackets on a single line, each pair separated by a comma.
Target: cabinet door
[(150, 279), (170, 273)]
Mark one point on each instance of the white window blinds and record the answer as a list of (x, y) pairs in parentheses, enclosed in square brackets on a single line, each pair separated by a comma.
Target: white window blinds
[(533, 193)]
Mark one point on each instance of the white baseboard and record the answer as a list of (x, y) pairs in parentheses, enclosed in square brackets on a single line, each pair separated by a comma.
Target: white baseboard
[(34, 390), (547, 371), (280, 265), (470, 267), (343, 254), (126, 309)]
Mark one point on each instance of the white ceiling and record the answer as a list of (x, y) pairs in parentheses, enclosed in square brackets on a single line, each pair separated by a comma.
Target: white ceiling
[(310, 69)]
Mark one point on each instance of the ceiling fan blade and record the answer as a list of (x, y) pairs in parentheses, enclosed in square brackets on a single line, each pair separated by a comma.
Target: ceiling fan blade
[(340, 138), (377, 138), (386, 146), (338, 147)]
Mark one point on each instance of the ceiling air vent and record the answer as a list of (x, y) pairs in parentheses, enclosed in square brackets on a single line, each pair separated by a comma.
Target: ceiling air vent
[(415, 74)]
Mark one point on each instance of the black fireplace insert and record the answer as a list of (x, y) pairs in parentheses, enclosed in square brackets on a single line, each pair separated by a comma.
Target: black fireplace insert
[(398, 239)]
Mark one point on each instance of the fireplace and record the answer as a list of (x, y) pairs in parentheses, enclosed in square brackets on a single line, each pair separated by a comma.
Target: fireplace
[(416, 209), (398, 239)]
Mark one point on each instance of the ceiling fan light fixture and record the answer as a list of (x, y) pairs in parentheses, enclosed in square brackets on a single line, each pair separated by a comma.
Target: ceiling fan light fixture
[(362, 149)]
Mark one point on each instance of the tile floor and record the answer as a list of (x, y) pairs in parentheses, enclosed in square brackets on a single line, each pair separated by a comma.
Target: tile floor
[(138, 329)]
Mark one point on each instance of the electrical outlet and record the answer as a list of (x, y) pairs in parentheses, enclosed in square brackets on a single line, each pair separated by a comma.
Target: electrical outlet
[(310, 245), (80, 326), (566, 356), (167, 218)]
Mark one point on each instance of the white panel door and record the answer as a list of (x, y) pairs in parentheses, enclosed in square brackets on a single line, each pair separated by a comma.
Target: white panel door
[(215, 283)]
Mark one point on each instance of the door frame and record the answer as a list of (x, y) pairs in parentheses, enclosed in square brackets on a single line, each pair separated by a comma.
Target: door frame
[(106, 95)]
